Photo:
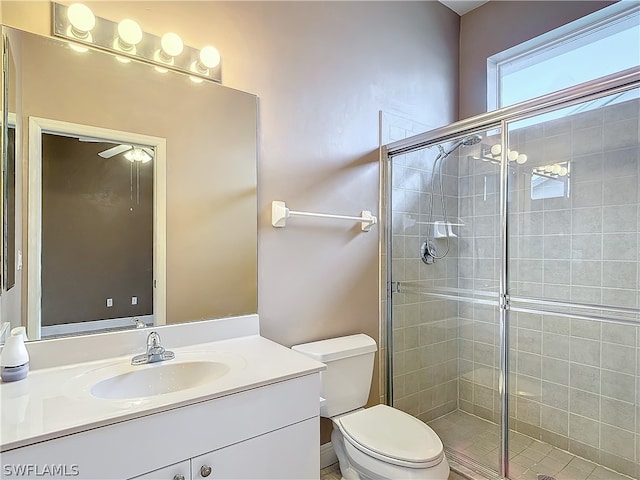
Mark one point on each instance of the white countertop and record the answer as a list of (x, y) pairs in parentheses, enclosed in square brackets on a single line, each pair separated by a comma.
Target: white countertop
[(52, 402)]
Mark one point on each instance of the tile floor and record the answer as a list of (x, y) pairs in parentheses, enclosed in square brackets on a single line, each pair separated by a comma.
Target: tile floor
[(478, 439), (332, 472)]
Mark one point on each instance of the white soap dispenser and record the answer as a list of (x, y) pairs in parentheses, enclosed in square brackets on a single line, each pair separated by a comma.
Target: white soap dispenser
[(14, 359)]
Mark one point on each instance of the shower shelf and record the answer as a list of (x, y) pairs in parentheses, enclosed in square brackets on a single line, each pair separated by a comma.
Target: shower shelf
[(443, 230), (280, 213)]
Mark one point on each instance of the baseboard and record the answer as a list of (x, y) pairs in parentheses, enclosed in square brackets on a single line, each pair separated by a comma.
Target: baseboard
[(327, 455)]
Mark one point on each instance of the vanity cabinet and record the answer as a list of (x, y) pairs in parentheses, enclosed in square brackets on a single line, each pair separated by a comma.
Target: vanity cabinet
[(269, 432)]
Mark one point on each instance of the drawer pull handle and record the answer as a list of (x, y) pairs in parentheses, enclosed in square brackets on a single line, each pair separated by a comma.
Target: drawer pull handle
[(178, 477), (205, 470)]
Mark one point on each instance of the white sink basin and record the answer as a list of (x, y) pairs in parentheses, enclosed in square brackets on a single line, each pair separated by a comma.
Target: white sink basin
[(158, 379)]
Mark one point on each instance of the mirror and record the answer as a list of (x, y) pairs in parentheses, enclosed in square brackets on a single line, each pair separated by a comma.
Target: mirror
[(206, 233)]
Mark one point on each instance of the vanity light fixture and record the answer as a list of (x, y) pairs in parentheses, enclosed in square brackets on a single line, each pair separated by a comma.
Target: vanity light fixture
[(493, 154), (127, 40), (555, 170)]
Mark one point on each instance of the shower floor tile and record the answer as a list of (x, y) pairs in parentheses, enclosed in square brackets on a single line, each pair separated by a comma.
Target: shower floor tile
[(478, 439)]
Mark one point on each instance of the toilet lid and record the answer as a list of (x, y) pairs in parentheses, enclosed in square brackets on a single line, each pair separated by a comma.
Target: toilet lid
[(392, 435)]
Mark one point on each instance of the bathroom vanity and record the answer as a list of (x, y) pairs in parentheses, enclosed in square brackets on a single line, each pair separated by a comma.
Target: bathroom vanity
[(235, 406)]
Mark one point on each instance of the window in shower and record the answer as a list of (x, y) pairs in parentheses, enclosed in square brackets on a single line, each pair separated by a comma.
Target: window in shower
[(596, 45)]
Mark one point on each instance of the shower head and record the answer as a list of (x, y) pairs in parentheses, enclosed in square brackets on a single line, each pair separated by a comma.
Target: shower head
[(466, 141), (471, 140)]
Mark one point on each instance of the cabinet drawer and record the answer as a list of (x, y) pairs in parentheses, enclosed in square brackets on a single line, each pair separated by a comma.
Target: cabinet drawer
[(178, 471)]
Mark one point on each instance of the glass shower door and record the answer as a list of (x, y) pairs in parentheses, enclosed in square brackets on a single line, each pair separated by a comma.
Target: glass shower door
[(445, 249), (573, 292)]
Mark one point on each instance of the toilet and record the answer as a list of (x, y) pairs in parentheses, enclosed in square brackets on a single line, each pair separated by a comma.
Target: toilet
[(376, 443)]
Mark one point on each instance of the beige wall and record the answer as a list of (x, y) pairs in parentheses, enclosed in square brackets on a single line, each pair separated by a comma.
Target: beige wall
[(498, 25), (322, 72)]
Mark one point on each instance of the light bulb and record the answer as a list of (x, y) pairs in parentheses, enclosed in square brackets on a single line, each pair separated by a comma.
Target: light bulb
[(512, 155), (129, 35), (522, 158), (496, 149), (563, 171), (82, 20), (556, 169), (137, 155), (209, 57), (548, 168), (171, 44)]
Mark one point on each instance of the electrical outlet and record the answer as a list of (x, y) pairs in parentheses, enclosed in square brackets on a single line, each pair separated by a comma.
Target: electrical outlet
[(134, 300), (109, 302)]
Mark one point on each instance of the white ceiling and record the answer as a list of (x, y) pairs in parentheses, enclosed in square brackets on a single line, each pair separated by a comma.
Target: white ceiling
[(462, 6)]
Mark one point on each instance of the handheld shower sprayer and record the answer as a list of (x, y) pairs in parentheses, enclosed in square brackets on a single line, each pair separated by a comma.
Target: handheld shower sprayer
[(428, 251)]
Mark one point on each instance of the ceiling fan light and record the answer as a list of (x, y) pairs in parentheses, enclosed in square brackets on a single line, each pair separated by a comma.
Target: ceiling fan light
[(137, 154)]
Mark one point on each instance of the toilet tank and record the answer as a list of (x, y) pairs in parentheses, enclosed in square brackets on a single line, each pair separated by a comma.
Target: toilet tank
[(347, 380)]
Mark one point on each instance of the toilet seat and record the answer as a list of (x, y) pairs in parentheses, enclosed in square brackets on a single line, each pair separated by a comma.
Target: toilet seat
[(392, 436)]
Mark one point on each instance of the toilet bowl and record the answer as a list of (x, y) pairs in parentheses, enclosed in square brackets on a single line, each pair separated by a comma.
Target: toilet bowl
[(375, 443), (382, 442)]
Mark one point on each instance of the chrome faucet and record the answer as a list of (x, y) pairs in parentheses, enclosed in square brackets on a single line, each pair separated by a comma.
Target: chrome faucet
[(155, 351)]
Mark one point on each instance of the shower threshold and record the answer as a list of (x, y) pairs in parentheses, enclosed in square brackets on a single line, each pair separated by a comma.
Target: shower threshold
[(471, 444)]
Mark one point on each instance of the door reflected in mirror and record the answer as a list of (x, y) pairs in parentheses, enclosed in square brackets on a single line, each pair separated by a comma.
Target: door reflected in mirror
[(97, 232)]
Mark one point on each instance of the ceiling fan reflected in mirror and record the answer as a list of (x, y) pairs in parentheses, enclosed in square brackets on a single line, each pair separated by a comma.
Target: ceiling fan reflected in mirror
[(132, 153)]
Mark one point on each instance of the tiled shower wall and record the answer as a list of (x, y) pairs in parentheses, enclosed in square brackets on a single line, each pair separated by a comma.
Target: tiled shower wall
[(479, 270), (425, 330), (574, 382)]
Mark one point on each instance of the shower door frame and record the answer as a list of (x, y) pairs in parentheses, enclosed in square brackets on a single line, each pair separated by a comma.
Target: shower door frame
[(604, 86)]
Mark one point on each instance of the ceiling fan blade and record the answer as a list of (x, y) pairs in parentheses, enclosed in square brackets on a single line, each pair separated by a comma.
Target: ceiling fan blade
[(110, 152)]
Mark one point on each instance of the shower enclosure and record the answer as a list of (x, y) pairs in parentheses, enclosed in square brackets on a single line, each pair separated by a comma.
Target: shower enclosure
[(512, 253)]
